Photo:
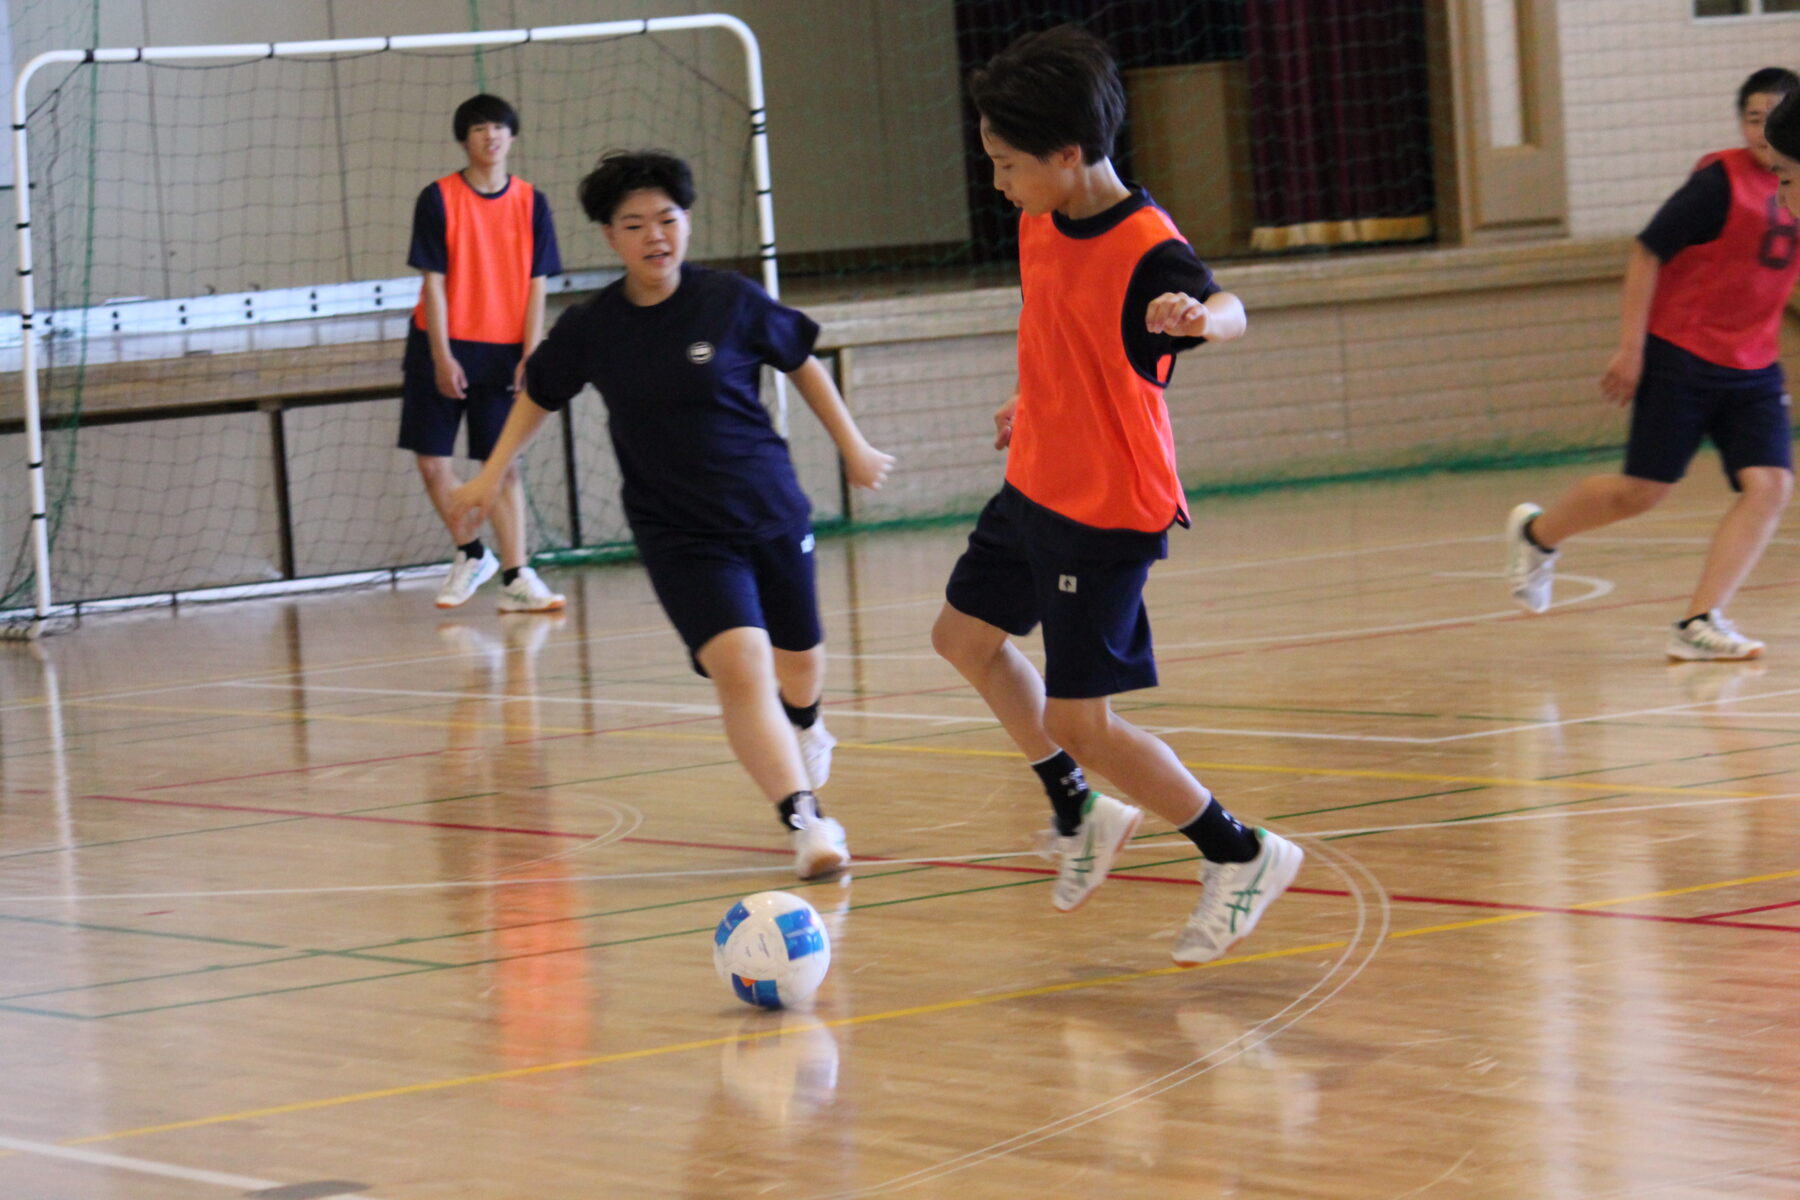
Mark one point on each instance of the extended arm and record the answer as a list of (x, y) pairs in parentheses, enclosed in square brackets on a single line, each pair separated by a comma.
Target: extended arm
[(1218, 318), (477, 496), (534, 327), (864, 466)]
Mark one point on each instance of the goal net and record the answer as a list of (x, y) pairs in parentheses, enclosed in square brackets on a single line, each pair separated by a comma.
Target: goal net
[(217, 242)]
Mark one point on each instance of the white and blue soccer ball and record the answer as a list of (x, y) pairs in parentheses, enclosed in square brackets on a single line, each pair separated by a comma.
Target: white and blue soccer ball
[(772, 949)]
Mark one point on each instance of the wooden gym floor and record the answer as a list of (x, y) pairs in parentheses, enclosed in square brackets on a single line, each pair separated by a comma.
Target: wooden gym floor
[(339, 895)]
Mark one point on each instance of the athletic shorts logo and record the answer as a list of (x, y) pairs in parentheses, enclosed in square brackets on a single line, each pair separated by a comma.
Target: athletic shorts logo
[(806, 544), (1065, 583), (700, 353)]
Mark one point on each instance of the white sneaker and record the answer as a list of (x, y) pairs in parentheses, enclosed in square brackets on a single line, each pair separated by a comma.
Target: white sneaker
[(819, 845), (815, 750), (1085, 856), (1529, 570), (527, 594), (466, 574), (1234, 897), (1711, 638)]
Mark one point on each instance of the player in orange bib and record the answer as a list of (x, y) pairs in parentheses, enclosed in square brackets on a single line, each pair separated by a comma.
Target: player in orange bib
[(485, 241), (1112, 293), (1705, 287)]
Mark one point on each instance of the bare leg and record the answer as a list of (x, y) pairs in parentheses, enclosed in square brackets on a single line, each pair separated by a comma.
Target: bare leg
[(1596, 501), (801, 674), (986, 657), (1143, 766), (741, 664), (439, 474), (508, 519), (1742, 536)]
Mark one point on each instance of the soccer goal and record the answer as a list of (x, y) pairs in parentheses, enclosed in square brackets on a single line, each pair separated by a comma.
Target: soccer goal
[(212, 287)]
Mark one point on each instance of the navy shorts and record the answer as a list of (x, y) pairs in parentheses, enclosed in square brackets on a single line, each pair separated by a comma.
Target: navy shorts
[(429, 419), (1674, 410), (708, 586), (1096, 629)]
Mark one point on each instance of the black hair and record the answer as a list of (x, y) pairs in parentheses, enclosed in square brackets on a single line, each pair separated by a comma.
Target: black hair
[(1056, 88), (484, 110), (1782, 129), (1770, 81), (621, 172)]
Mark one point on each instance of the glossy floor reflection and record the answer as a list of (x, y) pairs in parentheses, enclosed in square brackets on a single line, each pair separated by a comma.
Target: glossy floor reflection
[(336, 896)]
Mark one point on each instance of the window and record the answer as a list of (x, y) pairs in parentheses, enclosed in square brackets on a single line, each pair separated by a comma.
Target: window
[(1744, 8)]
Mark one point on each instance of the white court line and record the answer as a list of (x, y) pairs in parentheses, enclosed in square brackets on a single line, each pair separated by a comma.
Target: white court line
[(1596, 589), (663, 631), (1532, 727), (1557, 814), (1362, 946), (704, 710), (145, 1166)]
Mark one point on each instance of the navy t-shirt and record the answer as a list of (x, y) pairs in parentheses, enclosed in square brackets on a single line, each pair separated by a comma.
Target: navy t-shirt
[(696, 448)]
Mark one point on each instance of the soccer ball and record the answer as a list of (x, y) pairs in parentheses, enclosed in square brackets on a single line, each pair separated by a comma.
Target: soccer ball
[(772, 949)]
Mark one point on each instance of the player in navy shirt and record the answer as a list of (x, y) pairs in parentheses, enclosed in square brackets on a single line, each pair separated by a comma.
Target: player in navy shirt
[(1705, 288), (720, 521)]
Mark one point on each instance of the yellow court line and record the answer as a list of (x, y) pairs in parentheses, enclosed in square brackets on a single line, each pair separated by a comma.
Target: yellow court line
[(1698, 887), (414, 1089)]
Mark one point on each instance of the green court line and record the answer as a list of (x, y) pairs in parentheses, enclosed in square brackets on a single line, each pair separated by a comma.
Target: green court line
[(1685, 758), (43, 1012), (150, 837), (153, 837), (488, 962), (619, 912), (1740, 778), (1504, 812), (216, 968), (1313, 812), (155, 933)]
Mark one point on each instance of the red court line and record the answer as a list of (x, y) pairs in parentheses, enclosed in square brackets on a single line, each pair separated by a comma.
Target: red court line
[(318, 816), (1743, 912), (1573, 912)]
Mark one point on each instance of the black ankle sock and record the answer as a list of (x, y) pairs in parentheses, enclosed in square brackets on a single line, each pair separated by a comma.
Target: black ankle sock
[(1689, 621), (785, 810), (508, 575), (799, 718), (1067, 788), (1220, 836), (1526, 530), (474, 549)]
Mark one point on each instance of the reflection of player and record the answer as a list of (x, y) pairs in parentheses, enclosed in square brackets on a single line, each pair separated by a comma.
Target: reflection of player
[(541, 999), (723, 527), (1705, 288)]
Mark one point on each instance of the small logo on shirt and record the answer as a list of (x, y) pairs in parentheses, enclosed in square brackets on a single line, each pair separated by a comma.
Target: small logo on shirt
[(806, 544), (700, 352), (1065, 583)]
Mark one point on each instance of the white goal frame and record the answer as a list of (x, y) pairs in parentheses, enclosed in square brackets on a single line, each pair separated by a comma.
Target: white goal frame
[(30, 331)]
